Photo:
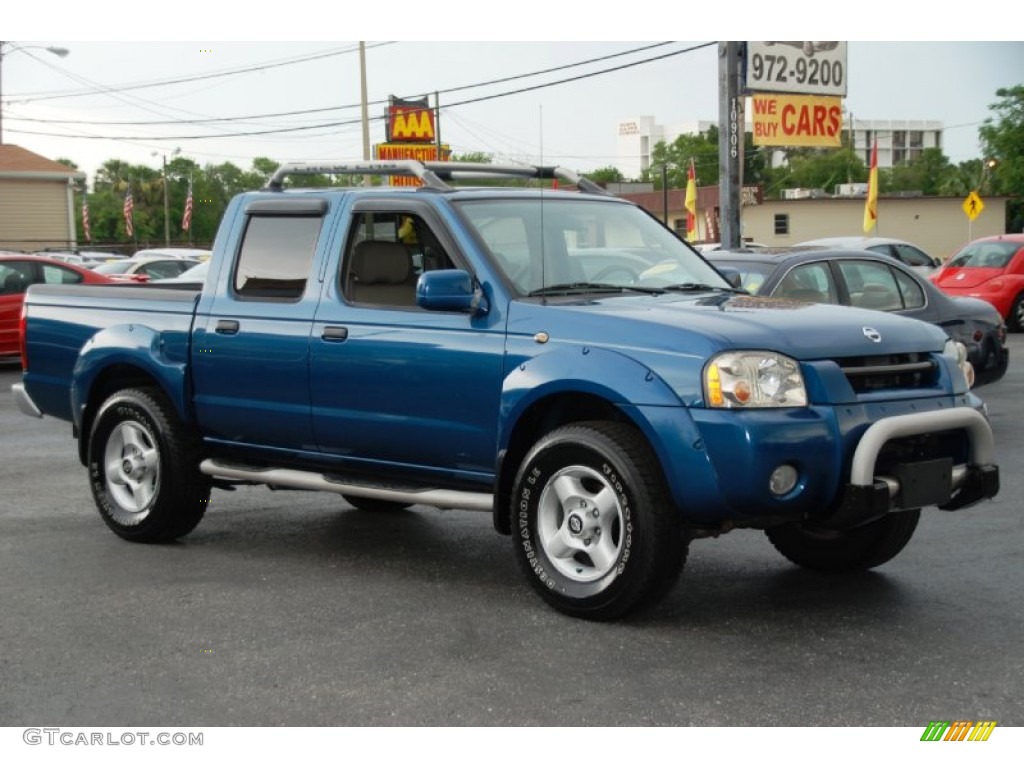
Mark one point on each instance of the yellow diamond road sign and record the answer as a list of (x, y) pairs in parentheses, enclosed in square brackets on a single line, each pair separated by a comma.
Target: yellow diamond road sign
[(973, 206)]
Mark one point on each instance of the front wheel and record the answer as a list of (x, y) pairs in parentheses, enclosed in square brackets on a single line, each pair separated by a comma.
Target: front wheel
[(144, 468), (856, 549), (592, 525)]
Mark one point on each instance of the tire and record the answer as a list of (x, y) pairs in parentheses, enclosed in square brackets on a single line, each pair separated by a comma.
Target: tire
[(1015, 320), (593, 529), (144, 468), (375, 505), (857, 549)]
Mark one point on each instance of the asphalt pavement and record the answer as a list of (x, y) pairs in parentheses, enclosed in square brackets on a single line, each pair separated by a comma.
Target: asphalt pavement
[(292, 608)]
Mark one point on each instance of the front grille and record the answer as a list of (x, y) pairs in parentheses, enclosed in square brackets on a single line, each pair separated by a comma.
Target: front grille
[(872, 373)]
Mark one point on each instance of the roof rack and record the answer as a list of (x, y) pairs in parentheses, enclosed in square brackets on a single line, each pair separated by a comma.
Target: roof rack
[(434, 175)]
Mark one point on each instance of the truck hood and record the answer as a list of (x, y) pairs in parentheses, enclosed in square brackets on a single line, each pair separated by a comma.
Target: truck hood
[(703, 324)]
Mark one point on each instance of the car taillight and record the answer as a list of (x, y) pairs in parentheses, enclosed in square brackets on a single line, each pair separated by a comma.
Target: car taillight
[(22, 327)]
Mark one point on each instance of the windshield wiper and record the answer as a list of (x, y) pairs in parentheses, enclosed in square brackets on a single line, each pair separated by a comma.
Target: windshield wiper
[(582, 287), (693, 287)]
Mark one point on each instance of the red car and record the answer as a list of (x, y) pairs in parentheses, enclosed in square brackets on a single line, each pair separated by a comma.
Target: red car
[(17, 272), (992, 269)]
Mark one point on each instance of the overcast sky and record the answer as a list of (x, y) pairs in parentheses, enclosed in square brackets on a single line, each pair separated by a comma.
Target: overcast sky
[(572, 124)]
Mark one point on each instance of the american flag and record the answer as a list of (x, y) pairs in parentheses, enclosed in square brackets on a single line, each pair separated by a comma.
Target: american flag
[(129, 206), (186, 219), (85, 219)]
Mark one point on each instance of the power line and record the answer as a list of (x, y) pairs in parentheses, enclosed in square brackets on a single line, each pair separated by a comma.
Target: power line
[(354, 121), (295, 113), (43, 96)]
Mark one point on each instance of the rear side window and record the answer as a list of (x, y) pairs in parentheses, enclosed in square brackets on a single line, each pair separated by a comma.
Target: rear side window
[(276, 256), (54, 274)]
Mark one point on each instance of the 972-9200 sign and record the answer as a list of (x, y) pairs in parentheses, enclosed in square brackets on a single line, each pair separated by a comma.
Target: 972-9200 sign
[(797, 67)]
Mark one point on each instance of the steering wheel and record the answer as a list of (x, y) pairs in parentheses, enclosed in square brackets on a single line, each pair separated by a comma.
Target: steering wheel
[(604, 273)]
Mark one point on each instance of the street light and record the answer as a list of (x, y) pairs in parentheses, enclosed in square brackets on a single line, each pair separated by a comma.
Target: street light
[(56, 51), (167, 215)]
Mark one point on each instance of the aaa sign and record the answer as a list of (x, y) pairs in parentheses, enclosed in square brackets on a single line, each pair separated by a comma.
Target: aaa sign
[(788, 120)]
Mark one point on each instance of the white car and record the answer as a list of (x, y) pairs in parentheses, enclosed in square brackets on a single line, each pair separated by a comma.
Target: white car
[(900, 250), (192, 254)]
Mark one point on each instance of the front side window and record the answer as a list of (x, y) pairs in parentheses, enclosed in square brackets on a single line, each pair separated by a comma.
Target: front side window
[(276, 256), (551, 245), (15, 277), (915, 257), (385, 255), (808, 282)]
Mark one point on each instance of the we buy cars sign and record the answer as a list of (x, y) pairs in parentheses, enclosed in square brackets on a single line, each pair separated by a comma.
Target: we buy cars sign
[(789, 120)]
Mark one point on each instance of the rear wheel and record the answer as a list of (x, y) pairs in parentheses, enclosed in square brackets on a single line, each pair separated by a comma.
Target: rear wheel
[(593, 528), (144, 468), (1015, 322), (855, 549)]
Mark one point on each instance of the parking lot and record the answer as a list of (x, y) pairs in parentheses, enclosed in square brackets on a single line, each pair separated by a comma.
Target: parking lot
[(291, 608)]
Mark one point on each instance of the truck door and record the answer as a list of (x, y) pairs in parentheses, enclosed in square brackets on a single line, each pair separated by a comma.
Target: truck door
[(250, 353), (393, 384)]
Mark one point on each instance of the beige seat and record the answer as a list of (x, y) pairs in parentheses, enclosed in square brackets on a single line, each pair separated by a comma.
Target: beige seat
[(382, 273)]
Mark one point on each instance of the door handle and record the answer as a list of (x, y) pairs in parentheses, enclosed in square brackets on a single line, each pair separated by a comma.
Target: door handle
[(334, 333), (226, 327)]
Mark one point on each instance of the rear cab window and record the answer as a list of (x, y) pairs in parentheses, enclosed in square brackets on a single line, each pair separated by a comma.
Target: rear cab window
[(277, 250)]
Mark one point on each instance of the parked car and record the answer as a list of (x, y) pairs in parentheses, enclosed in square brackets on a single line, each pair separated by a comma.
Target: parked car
[(188, 254), (908, 253), (871, 281), (992, 269), (193, 276), (86, 258), (145, 269), (17, 272)]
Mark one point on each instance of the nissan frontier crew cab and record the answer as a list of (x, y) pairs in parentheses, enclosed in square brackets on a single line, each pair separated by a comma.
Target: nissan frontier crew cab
[(557, 358)]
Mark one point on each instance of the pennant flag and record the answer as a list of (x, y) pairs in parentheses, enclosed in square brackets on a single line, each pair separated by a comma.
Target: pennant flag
[(129, 206), (186, 219), (85, 219), (871, 204), (691, 203)]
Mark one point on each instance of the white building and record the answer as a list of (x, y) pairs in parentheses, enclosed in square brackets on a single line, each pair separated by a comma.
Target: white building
[(899, 141)]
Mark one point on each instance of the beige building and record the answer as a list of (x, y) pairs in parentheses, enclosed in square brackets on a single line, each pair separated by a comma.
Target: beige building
[(37, 199), (938, 225)]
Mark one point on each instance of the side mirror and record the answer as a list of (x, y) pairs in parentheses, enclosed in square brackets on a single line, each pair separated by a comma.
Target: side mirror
[(450, 290)]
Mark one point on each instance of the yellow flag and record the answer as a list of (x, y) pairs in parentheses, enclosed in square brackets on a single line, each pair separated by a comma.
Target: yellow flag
[(871, 204), (691, 203)]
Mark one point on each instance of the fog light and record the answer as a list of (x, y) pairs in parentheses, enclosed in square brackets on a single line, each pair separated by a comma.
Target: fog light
[(783, 480)]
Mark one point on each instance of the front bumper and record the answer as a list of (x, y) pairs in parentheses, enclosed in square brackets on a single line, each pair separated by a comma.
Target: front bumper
[(918, 483)]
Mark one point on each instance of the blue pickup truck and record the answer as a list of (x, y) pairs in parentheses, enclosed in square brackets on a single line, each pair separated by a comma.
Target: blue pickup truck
[(556, 357)]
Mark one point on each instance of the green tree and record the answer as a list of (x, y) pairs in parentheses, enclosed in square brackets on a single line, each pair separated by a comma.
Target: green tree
[(928, 173), (1002, 140), (607, 174)]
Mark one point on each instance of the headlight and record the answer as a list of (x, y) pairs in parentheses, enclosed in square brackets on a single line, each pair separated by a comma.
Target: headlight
[(753, 380), (957, 353)]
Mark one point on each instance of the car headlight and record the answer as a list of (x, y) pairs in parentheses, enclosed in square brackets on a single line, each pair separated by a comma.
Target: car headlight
[(957, 353), (753, 379)]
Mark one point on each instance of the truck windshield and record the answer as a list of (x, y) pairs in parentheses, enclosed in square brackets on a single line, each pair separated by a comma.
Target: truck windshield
[(547, 243)]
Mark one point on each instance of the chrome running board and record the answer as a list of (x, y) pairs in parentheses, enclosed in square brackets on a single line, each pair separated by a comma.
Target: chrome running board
[(315, 481)]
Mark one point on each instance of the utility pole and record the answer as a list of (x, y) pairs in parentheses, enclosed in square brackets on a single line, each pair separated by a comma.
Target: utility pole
[(365, 109), (731, 130)]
